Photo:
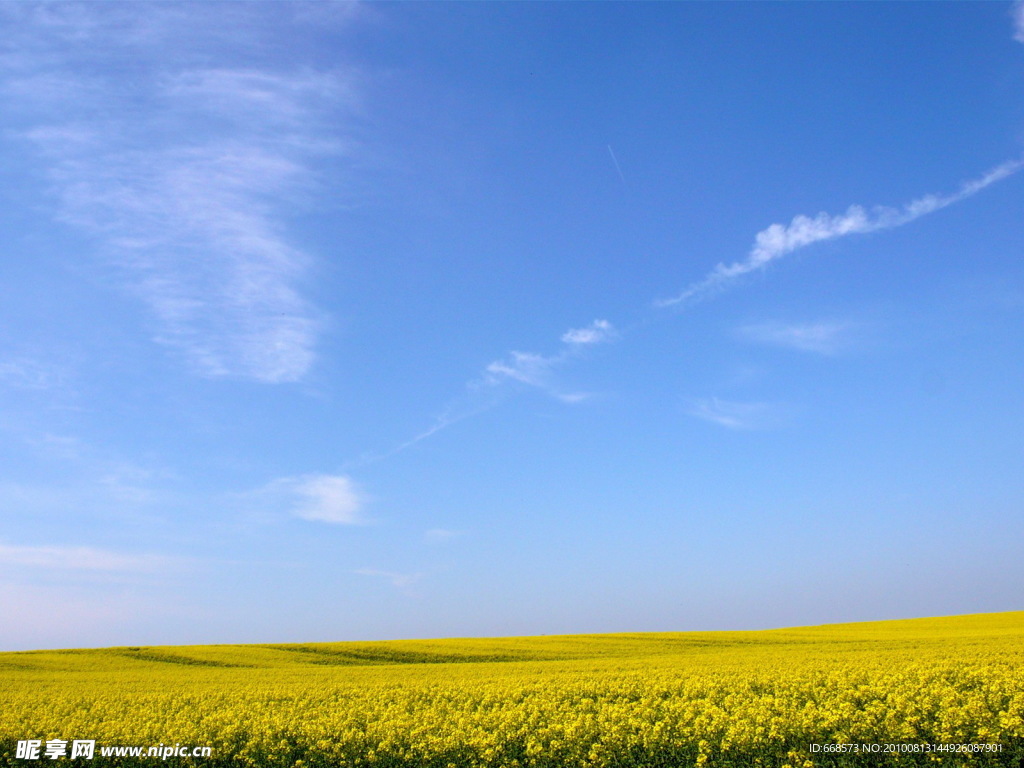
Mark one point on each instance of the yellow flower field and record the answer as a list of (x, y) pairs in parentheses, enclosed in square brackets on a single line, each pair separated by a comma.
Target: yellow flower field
[(946, 691)]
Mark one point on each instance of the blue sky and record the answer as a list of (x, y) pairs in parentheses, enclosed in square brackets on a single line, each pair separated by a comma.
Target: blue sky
[(330, 322)]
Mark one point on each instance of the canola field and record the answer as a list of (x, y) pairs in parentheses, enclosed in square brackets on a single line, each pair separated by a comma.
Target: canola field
[(947, 691)]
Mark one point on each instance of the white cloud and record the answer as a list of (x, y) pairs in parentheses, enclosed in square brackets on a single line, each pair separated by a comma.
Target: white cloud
[(524, 367), (823, 337), (184, 173), (326, 499), (595, 333), (323, 498), (79, 559), (535, 370), (1018, 21), (572, 397), (735, 415), (779, 240), (531, 370)]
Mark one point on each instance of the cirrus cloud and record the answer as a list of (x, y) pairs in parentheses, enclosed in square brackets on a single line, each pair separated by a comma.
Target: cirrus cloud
[(80, 558), (736, 415), (825, 338), (184, 173)]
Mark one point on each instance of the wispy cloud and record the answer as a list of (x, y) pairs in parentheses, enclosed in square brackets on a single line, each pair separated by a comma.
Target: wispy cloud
[(452, 415), (778, 240), (183, 173), (335, 499), (325, 498), (87, 481), (825, 338), (535, 370), (30, 374), (736, 415), (80, 559), (441, 535), (1018, 21), (595, 333), (522, 369)]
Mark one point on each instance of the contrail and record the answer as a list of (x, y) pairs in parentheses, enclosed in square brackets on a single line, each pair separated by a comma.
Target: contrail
[(616, 161), (520, 368), (778, 240)]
